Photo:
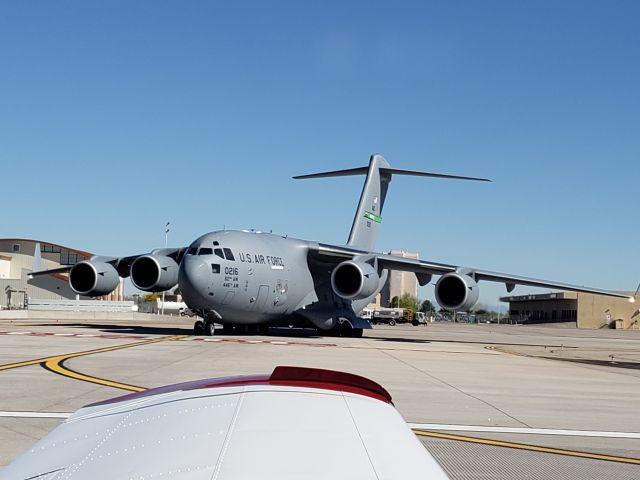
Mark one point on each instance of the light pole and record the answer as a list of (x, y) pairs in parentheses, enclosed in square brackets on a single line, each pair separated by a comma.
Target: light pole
[(166, 243)]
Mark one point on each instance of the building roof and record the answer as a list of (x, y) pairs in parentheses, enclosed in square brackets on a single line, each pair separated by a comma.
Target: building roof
[(73, 250)]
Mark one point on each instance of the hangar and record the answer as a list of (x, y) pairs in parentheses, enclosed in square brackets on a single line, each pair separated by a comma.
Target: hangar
[(19, 257), (586, 309)]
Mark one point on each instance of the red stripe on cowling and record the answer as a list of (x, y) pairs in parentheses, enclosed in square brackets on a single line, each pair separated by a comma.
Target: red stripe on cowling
[(281, 376)]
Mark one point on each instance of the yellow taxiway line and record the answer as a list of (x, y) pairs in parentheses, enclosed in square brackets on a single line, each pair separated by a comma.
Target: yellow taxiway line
[(524, 446), (55, 363)]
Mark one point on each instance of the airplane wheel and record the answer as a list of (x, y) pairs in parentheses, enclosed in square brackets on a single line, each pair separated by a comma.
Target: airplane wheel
[(392, 322), (263, 329), (346, 330), (209, 329), (241, 329), (334, 331), (415, 323), (227, 328), (198, 328), (356, 333)]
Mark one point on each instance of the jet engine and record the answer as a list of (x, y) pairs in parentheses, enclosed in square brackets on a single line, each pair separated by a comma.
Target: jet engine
[(456, 291), (93, 278), (154, 273), (354, 280)]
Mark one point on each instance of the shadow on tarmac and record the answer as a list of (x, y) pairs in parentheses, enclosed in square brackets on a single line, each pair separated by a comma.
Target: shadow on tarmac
[(399, 339), (187, 330), (599, 363)]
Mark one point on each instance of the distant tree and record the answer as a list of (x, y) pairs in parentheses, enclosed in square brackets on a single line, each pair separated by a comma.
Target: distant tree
[(481, 311), (427, 307), (408, 301)]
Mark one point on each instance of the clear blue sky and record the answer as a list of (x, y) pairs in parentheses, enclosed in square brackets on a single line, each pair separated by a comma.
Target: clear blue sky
[(116, 117)]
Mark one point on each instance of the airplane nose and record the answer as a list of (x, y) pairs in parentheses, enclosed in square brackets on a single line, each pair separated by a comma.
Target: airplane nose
[(194, 278)]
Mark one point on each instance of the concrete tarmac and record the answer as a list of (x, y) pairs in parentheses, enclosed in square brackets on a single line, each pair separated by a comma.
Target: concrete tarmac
[(487, 400)]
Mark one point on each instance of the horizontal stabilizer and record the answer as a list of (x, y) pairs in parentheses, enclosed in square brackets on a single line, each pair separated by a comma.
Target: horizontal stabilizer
[(336, 173), (417, 173), (394, 171)]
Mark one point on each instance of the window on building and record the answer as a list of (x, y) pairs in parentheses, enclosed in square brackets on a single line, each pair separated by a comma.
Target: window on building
[(48, 248), (16, 247)]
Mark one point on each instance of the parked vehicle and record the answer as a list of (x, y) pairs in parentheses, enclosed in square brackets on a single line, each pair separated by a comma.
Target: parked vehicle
[(391, 316)]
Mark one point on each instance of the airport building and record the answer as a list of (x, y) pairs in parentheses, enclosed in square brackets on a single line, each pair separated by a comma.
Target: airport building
[(398, 282), (19, 257), (586, 309)]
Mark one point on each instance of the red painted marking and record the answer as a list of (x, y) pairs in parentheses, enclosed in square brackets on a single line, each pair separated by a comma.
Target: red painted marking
[(263, 342), (281, 376), (73, 335)]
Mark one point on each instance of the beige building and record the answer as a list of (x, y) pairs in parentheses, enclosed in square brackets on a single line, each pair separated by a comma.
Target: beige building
[(586, 309), (19, 257), (398, 282)]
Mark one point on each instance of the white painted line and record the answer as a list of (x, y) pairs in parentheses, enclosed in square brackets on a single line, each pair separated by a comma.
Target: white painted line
[(18, 333), (35, 414), (255, 341), (274, 342), (531, 431), (87, 335), (212, 339), (64, 334)]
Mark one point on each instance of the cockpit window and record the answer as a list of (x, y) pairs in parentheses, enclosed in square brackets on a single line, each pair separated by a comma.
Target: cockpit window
[(215, 268), (229, 254), (205, 251), (219, 253), (215, 243), (192, 251)]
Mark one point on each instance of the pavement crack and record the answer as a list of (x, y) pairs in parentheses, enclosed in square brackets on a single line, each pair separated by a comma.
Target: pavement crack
[(470, 395)]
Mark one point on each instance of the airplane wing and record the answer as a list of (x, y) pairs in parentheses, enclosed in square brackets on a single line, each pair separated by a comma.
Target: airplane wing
[(121, 264), (295, 423), (424, 270)]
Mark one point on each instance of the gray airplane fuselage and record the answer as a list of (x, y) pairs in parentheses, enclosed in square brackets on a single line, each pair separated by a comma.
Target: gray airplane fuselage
[(242, 277)]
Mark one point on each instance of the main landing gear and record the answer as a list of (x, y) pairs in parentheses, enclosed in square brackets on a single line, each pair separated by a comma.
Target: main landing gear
[(203, 327), (344, 329)]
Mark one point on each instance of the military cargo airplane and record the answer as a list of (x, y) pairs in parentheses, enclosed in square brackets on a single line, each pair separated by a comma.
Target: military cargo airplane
[(250, 280)]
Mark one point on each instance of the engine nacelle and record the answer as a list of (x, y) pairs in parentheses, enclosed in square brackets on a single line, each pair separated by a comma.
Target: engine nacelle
[(93, 278), (354, 280), (154, 273), (456, 291)]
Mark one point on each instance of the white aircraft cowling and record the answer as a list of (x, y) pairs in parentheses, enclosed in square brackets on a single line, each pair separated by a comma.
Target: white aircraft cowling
[(235, 428)]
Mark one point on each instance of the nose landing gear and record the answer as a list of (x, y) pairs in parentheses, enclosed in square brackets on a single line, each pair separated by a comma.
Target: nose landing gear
[(205, 328)]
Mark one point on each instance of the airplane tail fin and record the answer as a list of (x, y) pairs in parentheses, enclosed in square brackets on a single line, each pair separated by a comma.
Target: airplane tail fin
[(366, 223)]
